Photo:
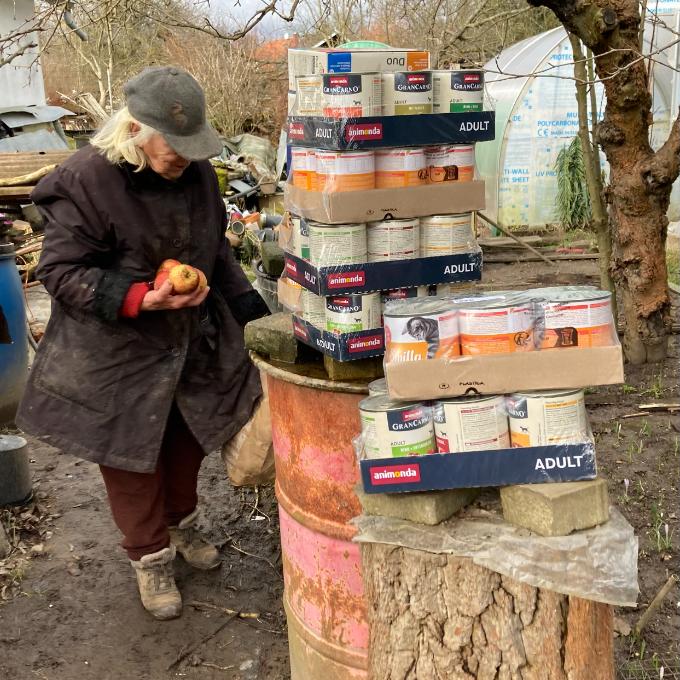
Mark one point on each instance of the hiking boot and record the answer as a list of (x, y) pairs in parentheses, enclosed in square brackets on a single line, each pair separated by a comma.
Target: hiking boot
[(192, 546), (157, 587)]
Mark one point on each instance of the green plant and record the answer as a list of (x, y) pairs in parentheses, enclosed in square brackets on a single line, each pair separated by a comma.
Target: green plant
[(656, 388), (627, 389), (573, 202), (634, 448), (644, 430), (659, 534), (673, 266)]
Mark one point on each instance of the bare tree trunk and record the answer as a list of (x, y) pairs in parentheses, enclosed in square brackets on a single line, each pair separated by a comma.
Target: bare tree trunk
[(591, 161), (439, 617), (640, 180)]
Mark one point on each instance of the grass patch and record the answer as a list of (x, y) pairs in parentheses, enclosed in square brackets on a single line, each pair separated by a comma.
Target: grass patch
[(673, 266)]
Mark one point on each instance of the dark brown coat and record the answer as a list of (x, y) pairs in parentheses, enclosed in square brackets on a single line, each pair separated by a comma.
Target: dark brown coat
[(101, 386)]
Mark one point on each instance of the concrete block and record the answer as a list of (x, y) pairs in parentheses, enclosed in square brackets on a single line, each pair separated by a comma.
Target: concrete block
[(556, 509), (361, 369), (272, 336), (422, 507), (272, 258)]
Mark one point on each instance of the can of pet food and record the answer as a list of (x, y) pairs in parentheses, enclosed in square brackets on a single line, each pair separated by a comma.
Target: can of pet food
[(309, 96), (446, 234), (393, 240), (400, 168), (496, 326), (304, 168), (450, 163), (471, 424), (300, 237), (406, 93), (345, 170), (313, 308), (394, 429), (577, 318), (420, 330), (337, 244), (542, 418), (460, 91), (377, 388), (351, 95), (351, 313)]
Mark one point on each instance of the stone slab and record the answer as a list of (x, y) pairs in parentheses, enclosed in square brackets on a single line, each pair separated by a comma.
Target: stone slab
[(556, 509), (421, 507), (272, 258), (361, 369), (272, 336)]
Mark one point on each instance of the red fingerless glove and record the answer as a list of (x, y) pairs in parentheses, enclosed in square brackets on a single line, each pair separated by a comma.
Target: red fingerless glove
[(132, 302)]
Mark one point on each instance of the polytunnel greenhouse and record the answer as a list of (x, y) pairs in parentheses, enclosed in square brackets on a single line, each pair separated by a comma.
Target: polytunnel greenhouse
[(530, 85)]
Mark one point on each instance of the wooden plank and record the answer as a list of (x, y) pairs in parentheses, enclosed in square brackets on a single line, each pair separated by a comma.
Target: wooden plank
[(15, 193), (511, 258)]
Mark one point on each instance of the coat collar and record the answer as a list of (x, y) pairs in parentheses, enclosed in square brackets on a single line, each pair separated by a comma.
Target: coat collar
[(148, 179)]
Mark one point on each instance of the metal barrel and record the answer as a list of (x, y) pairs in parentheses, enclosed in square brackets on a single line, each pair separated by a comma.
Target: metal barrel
[(313, 424), (13, 336)]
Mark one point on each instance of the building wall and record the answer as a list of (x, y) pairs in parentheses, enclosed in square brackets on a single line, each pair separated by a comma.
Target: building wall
[(21, 81)]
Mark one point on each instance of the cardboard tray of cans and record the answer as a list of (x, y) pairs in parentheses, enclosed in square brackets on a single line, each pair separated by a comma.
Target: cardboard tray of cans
[(383, 131), (342, 347), (437, 471), (374, 205), (375, 276)]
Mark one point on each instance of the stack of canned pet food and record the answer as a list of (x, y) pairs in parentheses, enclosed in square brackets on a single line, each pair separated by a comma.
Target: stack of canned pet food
[(497, 323), (451, 327), (395, 429), (336, 245)]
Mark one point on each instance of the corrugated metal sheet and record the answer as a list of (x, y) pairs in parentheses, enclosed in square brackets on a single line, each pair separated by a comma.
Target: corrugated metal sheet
[(32, 115), (41, 137)]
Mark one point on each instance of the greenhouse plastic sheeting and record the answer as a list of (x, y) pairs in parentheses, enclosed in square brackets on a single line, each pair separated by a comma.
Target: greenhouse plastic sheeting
[(598, 564)]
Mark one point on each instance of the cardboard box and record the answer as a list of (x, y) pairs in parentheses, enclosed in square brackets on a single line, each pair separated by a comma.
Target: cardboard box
[(531, 465), (379, 204), (565, 368), (374, 276), (383, 131), (305, 62), (344, 347)]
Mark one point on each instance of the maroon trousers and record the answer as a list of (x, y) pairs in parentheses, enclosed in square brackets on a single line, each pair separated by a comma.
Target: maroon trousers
[(145, 504)]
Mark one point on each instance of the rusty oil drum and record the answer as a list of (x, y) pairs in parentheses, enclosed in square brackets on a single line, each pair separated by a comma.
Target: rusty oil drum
[(313, 424)]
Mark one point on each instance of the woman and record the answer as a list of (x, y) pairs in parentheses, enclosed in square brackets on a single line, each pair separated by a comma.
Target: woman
[(141, 381)]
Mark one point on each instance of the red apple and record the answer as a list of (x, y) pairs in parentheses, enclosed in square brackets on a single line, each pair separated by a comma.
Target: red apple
[(184, 279), (167, 265), (202, 279), (160, 279)]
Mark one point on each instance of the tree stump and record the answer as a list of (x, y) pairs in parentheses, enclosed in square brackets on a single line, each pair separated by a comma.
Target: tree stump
[(440, 617)]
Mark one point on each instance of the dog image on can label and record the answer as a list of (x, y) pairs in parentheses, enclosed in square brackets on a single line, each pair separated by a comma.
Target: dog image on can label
[(543, 418), (351, 95), (351, 313), (417, 331), (471, 424), (392, 429), (451, 163), (578, 318)]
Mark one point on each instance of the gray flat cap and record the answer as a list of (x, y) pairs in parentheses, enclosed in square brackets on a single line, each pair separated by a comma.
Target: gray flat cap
[(172, 102)]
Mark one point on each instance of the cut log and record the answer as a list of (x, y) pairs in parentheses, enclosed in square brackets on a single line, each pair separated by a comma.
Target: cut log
[(440, 616)]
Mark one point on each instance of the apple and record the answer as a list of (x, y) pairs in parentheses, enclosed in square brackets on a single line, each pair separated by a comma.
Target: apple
[(202, 279), (161, 278), (184, 279), (167, 265)]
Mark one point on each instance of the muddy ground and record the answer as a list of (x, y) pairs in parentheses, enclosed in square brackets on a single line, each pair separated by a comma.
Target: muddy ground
[(69, 608)]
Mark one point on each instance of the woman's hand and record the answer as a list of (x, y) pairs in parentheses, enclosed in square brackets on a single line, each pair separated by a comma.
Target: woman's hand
[(164, 299)]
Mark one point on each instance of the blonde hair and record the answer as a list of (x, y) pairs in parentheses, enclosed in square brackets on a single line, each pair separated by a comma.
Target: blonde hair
[(118, 142)]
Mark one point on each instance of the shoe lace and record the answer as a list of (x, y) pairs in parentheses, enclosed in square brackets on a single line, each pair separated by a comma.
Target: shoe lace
[(163, 578)]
